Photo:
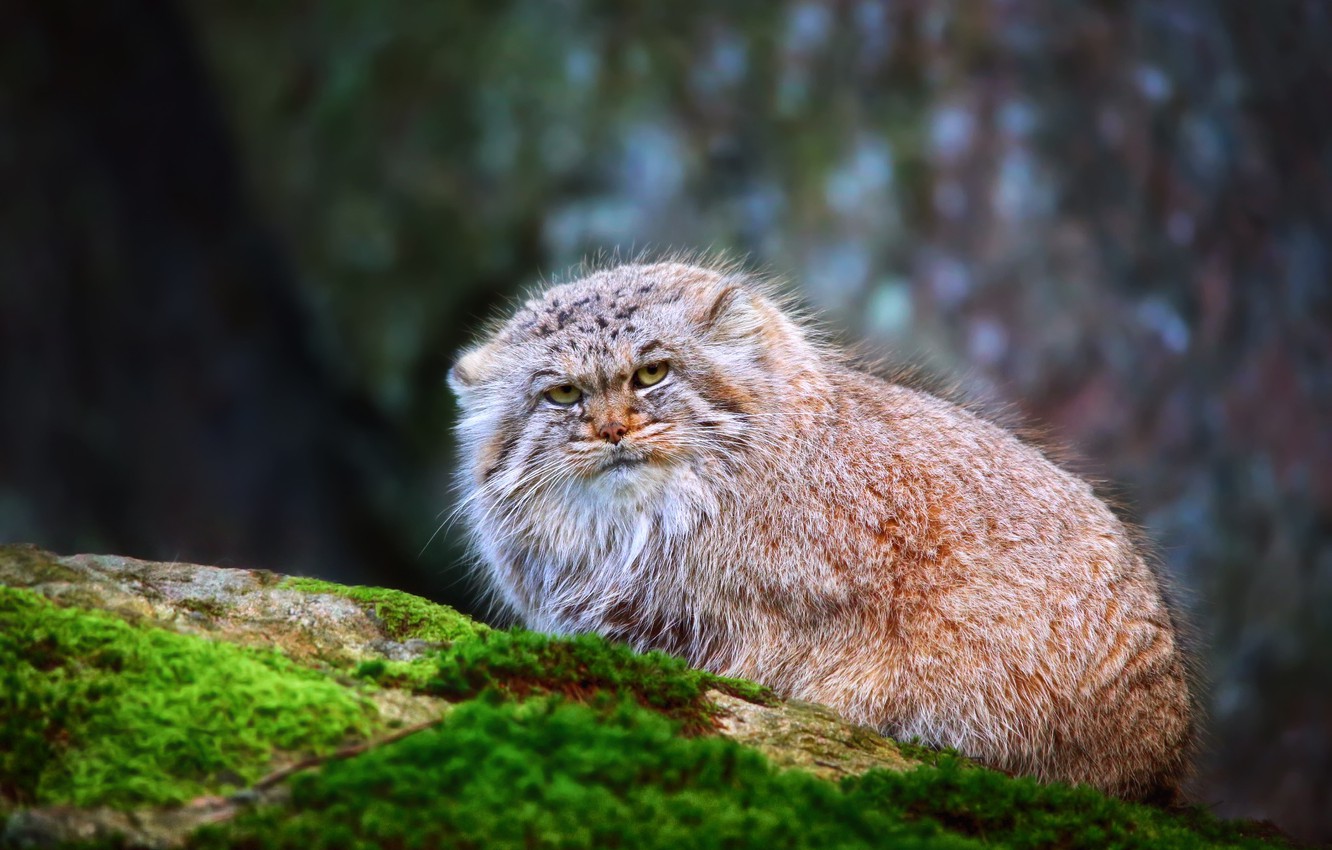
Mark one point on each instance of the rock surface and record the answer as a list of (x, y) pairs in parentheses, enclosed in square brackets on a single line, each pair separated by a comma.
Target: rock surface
[(409, 663), (317, 623)]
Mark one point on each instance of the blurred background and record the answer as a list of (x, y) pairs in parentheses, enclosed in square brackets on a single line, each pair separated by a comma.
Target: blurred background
[(240, 243)]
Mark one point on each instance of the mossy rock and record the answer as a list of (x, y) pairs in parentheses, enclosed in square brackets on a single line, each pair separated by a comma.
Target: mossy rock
[(404, 617), (99, 712), (162, 705)]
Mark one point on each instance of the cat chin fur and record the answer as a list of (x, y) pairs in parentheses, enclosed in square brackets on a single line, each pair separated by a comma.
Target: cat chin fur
[(582, 545)]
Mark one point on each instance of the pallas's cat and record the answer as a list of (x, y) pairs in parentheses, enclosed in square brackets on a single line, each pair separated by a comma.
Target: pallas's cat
[(662, 454)]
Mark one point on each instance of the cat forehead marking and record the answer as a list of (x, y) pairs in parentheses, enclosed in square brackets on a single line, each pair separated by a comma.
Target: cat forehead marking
[(593, 316)]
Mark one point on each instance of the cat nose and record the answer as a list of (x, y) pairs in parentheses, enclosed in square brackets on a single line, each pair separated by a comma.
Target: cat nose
[(612, 432)]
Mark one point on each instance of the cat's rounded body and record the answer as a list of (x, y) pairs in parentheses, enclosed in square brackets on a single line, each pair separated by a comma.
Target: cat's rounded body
[(767, 511)]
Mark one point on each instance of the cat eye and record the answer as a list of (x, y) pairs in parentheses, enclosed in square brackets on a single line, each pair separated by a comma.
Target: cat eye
[(563, 395), (653, 373)]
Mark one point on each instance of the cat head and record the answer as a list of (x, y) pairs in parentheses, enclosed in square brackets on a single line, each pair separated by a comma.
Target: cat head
[(624, 376)]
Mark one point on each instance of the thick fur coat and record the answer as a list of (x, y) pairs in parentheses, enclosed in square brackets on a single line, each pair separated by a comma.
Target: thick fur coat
[(765, 510)]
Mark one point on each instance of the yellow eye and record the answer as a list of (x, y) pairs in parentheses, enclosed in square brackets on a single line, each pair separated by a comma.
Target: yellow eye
[(653, 373), (564, 395)]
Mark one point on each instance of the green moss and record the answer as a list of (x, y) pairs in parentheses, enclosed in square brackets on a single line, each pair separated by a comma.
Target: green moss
[(542, 774), (409, 675), (405, 617), (583, 667), (550, 774), (1019, 812), (99, 712), (23, 564), (919, 752)]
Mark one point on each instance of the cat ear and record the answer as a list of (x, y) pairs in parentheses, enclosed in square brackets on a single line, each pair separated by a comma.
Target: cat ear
[(469, 371), (734, 313)]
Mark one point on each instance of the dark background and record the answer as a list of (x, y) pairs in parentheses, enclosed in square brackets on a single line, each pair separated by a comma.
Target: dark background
[(240, 242)]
